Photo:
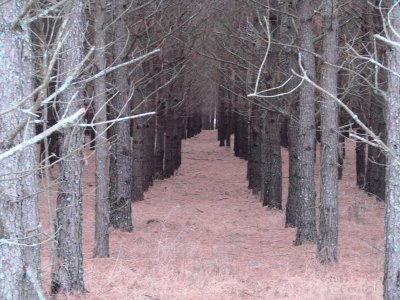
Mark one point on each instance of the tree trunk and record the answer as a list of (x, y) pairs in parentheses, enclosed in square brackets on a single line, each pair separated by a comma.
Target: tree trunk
[(120, 152), (392, 205), (360, 161), (102, 207), (271, 162), (292, 207), (306, 227), (68, 276), (328, 221), (149, 144), (19, 215), (254, 159), (170, 133), (288, 35), (138, 148), (160, 137), (375, 177)]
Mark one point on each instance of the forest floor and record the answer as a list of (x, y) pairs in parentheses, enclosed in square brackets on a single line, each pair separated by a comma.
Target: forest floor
[(202, 235)]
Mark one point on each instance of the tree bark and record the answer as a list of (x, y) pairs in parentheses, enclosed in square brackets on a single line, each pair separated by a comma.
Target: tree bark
[(102, 207), (376, 169), (392, 205), (19, 215), (160, 137), (271, 162), (328, 221), (68, 276), (121, 150), (306, 227), (254, 158)]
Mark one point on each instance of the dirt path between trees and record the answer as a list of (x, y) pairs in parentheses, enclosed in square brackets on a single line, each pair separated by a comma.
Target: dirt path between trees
[(202, 235)]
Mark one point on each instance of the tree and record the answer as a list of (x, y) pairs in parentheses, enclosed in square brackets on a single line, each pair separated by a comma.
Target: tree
[(68, 272), (102, 208), (392, 207), (19, 216), (328, 224), (121, 149), (306, 227)]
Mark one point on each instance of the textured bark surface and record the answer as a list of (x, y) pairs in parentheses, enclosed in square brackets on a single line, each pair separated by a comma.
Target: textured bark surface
[(102, 209), (171, 132), (138, 148), (68, 275), (160, 137), (120, 152), (271, 162), (240, 128), (292, 206), (306, 227), (392, 205), (376, 169), (254, 158), (19, 219), (290, 59), (328, 221)]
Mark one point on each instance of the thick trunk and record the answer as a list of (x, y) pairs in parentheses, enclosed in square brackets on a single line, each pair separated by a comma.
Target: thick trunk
[(392, 205), (102, 207), (306, 227), (121, 152), (68, 276), (19, 216), (271, 162), (328, 221)]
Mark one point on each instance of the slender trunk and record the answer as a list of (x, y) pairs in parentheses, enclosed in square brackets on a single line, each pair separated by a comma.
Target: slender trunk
[(360, 161), (328, 221), (102, 207), (170, 132), (306, 227), (121, 152), (149, 144), (68, 276), (288, 35), (138, 149), (292, 207)]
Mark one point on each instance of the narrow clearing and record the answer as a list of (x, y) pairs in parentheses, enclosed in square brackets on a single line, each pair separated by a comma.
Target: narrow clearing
[(202, 235)]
